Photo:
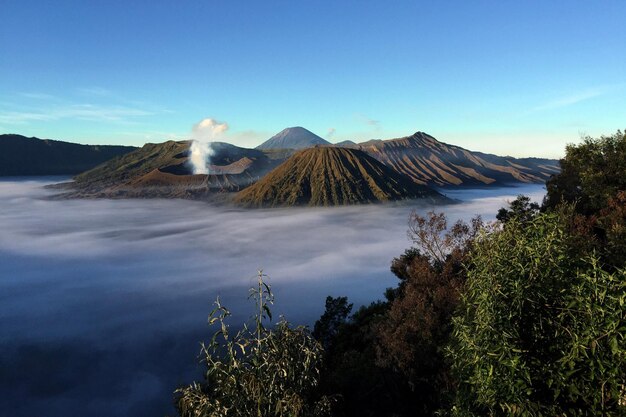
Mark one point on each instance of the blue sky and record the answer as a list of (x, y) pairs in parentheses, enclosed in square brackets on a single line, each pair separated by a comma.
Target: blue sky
[(517, 78)]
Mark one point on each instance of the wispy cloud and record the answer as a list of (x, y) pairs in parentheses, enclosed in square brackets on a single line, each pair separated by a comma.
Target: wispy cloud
[(89, 112), (37, 96), (577, 97), (95, 91), (35, 106), (369, 121), (330, 133)]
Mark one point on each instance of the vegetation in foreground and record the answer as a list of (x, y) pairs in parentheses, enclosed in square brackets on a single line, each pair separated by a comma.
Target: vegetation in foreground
[(523, 317), (258, 371)]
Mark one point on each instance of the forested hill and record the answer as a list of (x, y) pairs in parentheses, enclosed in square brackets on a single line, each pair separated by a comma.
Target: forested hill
[(20, 155)]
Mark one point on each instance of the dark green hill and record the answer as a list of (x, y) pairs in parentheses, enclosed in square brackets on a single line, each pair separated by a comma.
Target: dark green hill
[(329, 176), (20, 155)]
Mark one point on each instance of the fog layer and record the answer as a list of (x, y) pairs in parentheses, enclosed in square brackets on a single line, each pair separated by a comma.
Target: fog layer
[(103, 302)]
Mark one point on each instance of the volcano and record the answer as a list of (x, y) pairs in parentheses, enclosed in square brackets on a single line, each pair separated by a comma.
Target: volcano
[(330, 176), (293, 138)]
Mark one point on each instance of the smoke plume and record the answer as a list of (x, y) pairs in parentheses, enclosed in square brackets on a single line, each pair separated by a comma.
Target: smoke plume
[(202, 134)]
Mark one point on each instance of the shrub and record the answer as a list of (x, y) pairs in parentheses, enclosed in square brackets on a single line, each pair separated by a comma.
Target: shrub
[(591, 173), (258, 371), (593, 178), (542, 326)]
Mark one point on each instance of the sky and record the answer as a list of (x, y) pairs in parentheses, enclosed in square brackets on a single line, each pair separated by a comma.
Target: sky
[(512, 78)]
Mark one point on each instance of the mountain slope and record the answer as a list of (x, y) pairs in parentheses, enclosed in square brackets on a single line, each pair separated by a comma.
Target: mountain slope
[(328, 176), (20, 155), (162, 170), (293, 138), (347, 144), (427, 161)]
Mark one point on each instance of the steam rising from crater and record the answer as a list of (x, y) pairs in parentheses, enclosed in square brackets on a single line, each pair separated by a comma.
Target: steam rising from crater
[(202, 134)]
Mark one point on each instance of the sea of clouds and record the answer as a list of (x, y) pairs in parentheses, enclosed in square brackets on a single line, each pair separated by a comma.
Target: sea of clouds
[(103, 303)]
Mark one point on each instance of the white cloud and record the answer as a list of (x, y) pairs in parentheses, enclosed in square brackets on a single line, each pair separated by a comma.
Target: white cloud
[(206, 130)]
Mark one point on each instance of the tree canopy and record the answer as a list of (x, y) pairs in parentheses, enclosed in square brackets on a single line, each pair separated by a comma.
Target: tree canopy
[(542, 327)]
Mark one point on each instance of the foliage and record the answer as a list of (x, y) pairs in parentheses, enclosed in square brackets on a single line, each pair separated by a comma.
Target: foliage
[(258, 371), (521, 208), (542, 327), (593, 177), (335, 315), (591, 173), (387, 359), (401, 266), (417, 326), (432, 238), (612, 220), (350, 370)]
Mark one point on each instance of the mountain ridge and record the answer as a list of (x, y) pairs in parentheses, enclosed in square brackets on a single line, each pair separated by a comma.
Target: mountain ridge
[(431, 162), (163, 170), (22, 155), (330, 176)]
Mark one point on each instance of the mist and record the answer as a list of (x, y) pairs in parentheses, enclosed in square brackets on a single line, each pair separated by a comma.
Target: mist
[(103, 303)]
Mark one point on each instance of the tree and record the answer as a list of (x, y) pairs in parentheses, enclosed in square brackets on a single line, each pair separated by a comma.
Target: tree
[(434, 240), (258, 371), (593, 178), (335, 315), (521, 208), (541, 330), (591, 173), (418, 325), (350, 370)]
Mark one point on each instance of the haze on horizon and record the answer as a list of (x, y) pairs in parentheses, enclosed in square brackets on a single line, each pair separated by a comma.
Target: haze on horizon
[(519, 79)]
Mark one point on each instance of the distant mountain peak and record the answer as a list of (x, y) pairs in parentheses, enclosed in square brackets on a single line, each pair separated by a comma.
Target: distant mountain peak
[(295, 137), (295, 129)]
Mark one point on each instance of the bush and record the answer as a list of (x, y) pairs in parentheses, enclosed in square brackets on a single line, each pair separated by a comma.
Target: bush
[(350, 369), (591, 173), (593, 178), (258, 372), (542, 326)]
